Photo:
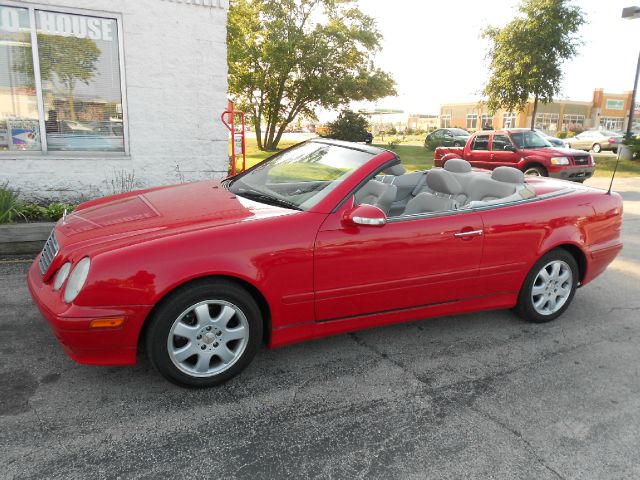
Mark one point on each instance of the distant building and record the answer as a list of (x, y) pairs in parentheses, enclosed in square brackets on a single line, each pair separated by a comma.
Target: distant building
[(384, 119), (606, 111)]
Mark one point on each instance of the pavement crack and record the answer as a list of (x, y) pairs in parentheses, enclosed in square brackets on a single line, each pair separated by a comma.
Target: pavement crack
[(391, 360), (529, 447)]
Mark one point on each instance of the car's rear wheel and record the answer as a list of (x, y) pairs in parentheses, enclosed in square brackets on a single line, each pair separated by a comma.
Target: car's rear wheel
[(549, 287), (597, 148), (205, 333), (535, 170), (457, 144)]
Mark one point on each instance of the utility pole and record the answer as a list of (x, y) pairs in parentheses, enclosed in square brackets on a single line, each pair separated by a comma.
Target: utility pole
[(630, 13)]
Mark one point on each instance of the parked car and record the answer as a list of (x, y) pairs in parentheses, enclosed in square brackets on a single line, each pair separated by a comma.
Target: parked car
[(448, 137), (596, 140), (323, 238), (554, 141), (521, 148)]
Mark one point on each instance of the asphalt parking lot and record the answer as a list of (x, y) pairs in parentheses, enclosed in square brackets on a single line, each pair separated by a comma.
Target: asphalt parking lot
[(478, 396)]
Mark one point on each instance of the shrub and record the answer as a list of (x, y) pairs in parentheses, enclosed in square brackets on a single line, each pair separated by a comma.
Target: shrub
[(634, 145), (32, 212), (56, 210), (432, 144), (561, 135), (350, 126), (8, 204), (570, 134), (392, 131)]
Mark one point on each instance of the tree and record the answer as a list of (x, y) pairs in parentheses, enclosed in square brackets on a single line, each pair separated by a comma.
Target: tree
[(350, 126), (71, 59), (526, 55), (290, 57)]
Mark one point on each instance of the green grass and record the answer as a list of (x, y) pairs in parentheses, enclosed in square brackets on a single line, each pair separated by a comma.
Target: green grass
[(415, 157)]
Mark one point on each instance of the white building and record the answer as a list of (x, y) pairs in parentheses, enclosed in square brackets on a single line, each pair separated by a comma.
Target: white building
[(98, 96)]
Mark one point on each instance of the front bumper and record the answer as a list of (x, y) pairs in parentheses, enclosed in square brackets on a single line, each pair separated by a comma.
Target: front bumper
[(70, 325), (572, 173)]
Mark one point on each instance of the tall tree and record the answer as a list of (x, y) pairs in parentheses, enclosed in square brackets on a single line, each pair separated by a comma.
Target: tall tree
[(290, 57), (527, 54)]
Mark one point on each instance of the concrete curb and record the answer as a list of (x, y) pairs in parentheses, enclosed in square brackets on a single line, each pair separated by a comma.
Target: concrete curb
[(24, 238)]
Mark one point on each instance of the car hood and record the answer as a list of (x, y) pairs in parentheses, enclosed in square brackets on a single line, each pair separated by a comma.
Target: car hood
[(557, 152), (160, 211)]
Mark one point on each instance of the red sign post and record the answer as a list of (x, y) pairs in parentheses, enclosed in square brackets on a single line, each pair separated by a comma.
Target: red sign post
[(234, 119)]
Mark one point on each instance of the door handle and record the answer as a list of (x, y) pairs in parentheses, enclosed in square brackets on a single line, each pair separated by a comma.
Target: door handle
[(471, 233)]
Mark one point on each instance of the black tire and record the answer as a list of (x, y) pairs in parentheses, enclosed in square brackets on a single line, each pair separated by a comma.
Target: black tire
[(525, 307), (597, 148), (457, 144), (171, 309), (536, 170)]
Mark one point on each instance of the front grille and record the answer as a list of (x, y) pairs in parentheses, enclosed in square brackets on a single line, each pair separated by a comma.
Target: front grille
[(49, 252), (581, 160)]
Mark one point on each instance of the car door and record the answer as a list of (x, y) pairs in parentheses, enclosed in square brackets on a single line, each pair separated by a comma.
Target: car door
[(408, 262), (503, 151), (479, 155), (447, 138)]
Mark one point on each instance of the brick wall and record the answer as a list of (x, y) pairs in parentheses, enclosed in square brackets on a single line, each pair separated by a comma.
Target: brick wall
[(176, 86)]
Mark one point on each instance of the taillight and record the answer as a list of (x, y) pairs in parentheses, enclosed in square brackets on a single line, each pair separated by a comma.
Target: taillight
[(612, 140)]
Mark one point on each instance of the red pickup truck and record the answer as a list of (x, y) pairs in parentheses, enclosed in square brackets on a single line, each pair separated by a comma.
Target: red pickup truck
[(521, 148)]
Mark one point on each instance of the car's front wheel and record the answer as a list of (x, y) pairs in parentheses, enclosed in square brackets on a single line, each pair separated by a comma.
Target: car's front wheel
[(549, 287), (597, 148), (205, 333)]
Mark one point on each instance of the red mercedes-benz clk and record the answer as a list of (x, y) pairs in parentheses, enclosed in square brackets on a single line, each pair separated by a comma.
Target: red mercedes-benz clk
[(323, 238)]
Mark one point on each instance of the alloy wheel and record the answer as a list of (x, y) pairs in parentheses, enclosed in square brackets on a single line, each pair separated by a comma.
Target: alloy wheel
[(552, 287), (208, 338)]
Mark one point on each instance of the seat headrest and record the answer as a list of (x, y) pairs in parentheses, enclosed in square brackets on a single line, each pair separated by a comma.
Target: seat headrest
[(444, 182), (508, 174), (457, 165), (395, 170)]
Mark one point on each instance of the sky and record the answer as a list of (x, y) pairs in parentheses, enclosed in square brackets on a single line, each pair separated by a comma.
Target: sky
[(436, 55)]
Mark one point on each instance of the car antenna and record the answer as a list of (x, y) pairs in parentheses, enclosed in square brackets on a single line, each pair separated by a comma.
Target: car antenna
[(615, 169)]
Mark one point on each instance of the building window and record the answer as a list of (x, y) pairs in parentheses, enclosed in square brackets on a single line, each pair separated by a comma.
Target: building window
[(614, 124), (509, 120), (548, 122), (68, 97), (472, 120), (445, 121), (572, 122), (487, 121)]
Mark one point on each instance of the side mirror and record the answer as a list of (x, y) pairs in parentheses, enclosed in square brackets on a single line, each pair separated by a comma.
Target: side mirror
[(365, 215), (509, 148)]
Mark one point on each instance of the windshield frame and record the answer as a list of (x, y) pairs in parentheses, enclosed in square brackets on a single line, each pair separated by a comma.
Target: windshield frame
[(322, 194)]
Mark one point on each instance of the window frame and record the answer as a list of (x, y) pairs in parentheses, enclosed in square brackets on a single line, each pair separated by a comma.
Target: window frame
[(475, 139), (474, 118), (44, 153)]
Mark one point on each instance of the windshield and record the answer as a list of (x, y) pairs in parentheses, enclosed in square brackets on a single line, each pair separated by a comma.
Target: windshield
[(301, 176), (529, 139), (459, 132)]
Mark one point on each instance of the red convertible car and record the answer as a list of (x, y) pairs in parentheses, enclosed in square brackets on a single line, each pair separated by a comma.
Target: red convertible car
[(323, 238)]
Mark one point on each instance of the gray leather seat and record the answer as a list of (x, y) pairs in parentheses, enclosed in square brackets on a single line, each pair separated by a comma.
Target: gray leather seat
[(445, 188), (506, 184), (378, 194)]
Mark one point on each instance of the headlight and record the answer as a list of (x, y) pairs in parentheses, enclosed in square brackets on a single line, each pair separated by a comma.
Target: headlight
[(76, 280), (559, 161), (62, 275)]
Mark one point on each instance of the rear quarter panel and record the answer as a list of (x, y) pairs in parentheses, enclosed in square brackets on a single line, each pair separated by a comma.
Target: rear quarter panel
[(517, 236)]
